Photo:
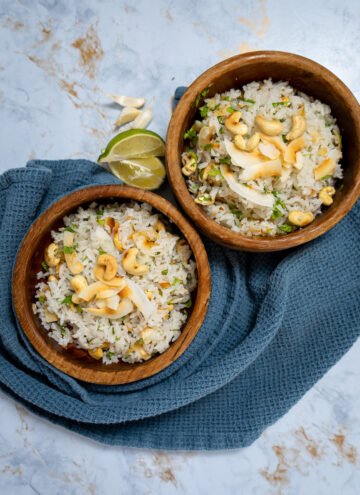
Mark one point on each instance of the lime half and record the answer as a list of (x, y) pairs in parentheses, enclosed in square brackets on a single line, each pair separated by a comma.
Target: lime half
[(139, 143), (146, 173)]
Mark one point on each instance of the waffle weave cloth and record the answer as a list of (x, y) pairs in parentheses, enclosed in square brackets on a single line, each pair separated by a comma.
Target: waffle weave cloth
[(276, 323)]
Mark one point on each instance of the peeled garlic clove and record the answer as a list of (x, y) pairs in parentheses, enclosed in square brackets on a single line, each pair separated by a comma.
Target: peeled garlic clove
[(127, 101), (127, 115), (144, 119)]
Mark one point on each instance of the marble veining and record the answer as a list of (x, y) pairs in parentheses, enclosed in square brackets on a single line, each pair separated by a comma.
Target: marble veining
[(58, 59)]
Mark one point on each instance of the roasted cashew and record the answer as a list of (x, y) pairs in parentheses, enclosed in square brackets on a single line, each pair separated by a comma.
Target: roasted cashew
[(204, 136), (298, 127), (326, 194), (50, 255), (189, 161), (268, 127), (78, 283), (130, 264), (248, 145), (110, 265), (300, 218), (233, 124)]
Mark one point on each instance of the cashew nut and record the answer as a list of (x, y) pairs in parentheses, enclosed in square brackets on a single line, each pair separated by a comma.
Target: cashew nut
[(189, 161), (96, 353), (298, 127), (110, 223), (110, 265), (268, 127), (143, 242), (233, 124), (50, 255), (248, 145), (99, 271), (300, 218), (78, 283), (75, 266), (326, 194), (124, 308), (204, 199), (326, 167), (130, 264)]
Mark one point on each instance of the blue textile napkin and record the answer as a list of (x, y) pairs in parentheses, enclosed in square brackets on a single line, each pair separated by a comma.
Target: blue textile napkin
[(276, 323)]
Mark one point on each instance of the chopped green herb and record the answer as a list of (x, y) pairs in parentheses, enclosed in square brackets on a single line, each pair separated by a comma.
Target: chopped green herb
[(221, 130), (68, 249), (220, 119), (190, 134), (79, 309), (160, 292), (285, 228), (207, 147), (281, 104), (100, 221), (230, 110), (277, 212), (140, 341), (165, 272), (237, 213), (226, 160), (226, 98), (188, 304), (75, 226), (110, 355), (326, 177), (193, 187), (69, 229), (42, 299), (101, 251), (204, 111), (176, 280), (214, 172), (63, 331), (247, 100), (44, 266), (67, 300), (200, 96), (99, 213)]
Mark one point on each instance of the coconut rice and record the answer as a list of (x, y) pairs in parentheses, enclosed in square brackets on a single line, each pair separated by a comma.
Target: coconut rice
[(264, 159), (117, 284)]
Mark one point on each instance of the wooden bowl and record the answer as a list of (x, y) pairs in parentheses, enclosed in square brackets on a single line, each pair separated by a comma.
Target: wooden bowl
[(28, 264), (303, 74)]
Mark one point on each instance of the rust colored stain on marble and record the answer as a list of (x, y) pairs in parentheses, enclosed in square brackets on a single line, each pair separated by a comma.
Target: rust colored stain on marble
[(13, 24), (344, 448), (90, 49), (280, 475), (260, 23), (310, 445), (68, 87)]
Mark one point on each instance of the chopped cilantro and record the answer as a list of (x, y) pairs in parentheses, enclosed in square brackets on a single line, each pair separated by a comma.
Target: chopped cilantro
[(190, 134), (101, 251), (42, 299), (277, 212), (160, 292), (68, 249), (99, 213), (247, 100), (176, 280), (226, 160), (285, 228), (62, 330), (188, 304), (220, 119), (204, 111), (67, 300), (326, 177), (100, 221), (69, 229), (110, 355), (237, 213), (281, 104), (230, 110), (214, 172), (79, 309), (165, 272), (44, 266), (226, 98), (207, 147)]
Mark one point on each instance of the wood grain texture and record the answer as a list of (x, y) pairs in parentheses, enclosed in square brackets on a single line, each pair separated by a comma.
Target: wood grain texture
[(77, 363), (304, 75)]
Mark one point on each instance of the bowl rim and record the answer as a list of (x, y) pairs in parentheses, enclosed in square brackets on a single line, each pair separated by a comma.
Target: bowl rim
[(105, 374), (224, 235)]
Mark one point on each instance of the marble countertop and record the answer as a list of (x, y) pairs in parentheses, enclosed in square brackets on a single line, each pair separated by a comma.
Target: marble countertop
[(57, 59)]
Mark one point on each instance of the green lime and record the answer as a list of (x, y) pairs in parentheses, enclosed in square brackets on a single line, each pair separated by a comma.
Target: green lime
[(146, 173), (139, 143)]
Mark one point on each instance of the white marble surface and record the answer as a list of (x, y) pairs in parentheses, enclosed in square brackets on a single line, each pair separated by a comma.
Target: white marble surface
[(57, 58)]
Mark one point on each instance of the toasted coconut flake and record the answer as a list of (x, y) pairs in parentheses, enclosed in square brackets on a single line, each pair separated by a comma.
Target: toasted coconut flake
[(125, 307), (272, 168), (261, 199), (275, 141), (326, 167), (269, 150), (139, 298), (242, 158), (292, 148)]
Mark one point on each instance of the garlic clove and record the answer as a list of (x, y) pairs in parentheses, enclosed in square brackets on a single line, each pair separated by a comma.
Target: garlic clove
[(127, 101), (127, 115)]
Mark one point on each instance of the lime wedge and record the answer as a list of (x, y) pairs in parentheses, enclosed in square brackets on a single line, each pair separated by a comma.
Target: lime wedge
[(146, 173), (139, 143)]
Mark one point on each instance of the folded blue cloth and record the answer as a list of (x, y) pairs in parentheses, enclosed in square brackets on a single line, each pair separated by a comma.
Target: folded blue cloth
[(275, 325)]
